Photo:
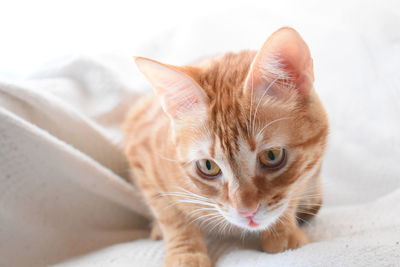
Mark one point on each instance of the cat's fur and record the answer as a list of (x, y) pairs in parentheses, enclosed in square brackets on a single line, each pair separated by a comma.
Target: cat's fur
[(229, 109)]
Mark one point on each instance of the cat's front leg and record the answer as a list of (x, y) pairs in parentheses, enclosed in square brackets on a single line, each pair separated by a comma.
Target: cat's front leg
[(284, 235), (185, 244)]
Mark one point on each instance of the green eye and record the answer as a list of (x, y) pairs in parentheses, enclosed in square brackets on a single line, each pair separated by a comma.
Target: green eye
[(208, 167), (273, 157)]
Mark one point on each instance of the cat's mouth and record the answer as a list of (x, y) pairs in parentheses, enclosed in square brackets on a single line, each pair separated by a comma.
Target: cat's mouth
[(261, 220), (252, 223)]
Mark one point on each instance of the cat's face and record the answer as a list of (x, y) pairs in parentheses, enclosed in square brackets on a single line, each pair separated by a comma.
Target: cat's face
[(250, 165), (249, 129)]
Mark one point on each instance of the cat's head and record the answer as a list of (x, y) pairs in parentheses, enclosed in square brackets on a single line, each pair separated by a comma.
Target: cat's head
[(249, 128)]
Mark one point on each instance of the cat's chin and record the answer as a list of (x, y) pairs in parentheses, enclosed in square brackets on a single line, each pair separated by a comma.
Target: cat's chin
[(253, 227), (260, 222)]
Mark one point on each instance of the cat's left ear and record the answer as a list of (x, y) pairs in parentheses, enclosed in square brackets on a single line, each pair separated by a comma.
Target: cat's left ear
[(283, 64), (178, 92)]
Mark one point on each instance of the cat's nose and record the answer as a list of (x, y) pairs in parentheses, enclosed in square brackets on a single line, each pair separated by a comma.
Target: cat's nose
[(248, 212)]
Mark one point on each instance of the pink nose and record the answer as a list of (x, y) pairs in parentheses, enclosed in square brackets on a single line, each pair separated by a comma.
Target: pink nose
[(248, 212)]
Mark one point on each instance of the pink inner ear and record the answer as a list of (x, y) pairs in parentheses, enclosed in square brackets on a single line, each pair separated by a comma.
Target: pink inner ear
[(180, 101), (284, 60), (178, 92)]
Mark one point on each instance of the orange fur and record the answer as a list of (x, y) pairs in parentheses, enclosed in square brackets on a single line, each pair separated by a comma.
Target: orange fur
[(218, 109)]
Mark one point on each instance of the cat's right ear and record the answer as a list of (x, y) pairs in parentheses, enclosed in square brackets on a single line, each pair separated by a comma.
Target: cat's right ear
[(179, 93)]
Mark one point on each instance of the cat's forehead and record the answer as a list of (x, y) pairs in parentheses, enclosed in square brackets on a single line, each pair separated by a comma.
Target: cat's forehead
[(241, 125), (231, 116), (233, 147), (233, 123), (222, 74)]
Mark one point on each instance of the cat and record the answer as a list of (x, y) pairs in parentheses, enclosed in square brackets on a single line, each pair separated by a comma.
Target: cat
[(235, 141)]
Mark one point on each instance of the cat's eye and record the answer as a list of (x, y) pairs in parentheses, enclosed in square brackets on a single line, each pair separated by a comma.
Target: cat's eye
[(208, 168), (273, 158)]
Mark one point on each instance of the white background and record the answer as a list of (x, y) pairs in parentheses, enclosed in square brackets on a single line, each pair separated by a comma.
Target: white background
[(34, 32)]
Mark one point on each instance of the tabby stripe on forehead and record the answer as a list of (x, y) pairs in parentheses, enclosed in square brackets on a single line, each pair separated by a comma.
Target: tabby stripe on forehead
[(251, 142), (212, 147)]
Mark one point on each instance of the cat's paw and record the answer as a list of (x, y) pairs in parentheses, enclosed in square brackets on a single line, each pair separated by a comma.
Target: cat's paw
[(197, 259), (156, 233), (274, 243)]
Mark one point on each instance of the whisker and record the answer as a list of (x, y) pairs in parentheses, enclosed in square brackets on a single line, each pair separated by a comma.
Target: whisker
[(217, 224), (308, 213), (188, 200), (189, 197), (259, 101), (304, 198), (191, 193), (305, 206), (215, 214), (194, 202), (199, 210), (184, 195), (225, 227), (204, 209), (243, 234), (271, 122), (251, 99), (302, 220), (210, 220), (169, 159)]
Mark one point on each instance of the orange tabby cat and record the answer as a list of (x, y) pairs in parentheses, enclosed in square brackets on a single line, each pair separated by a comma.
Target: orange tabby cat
[(234, 141)]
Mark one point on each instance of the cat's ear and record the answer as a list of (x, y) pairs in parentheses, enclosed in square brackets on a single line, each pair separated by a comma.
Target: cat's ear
[(283, 64), (178, 92)]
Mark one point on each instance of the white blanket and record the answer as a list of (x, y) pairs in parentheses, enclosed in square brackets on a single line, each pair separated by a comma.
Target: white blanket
[(63, 197)]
